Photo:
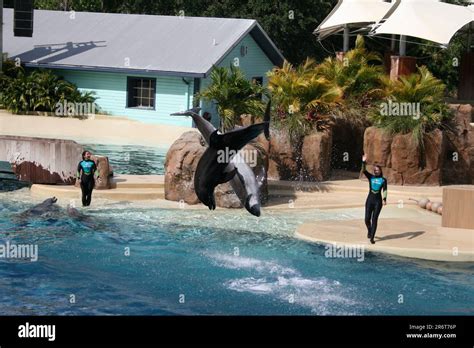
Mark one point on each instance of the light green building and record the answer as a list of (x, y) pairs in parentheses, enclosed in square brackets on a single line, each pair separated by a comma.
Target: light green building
[(140, 66)]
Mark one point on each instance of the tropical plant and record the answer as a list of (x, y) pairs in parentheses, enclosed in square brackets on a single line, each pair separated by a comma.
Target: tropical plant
[(302, 98), (234, 94), (443, 62), (40, 90), (357, 74), (423, 92)]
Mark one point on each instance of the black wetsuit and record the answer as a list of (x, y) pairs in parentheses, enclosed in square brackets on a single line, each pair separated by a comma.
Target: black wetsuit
[(88, 169), (373, 204)]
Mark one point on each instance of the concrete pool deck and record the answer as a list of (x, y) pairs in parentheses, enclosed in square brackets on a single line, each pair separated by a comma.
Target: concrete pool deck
[(124, 188), (109, 129), (408, 237)]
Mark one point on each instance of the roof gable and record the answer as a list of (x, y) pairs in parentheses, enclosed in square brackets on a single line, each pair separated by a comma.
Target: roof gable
[(104, 41)]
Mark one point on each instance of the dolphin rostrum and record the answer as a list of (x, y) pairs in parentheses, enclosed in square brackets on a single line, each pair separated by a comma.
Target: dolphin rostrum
[(243, 180)]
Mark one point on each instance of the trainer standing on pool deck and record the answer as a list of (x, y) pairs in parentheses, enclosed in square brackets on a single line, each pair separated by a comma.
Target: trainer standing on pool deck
[(374, 202), (86, 170)]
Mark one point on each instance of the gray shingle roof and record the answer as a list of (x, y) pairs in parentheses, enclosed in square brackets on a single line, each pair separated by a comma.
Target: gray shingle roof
[(113, 42)]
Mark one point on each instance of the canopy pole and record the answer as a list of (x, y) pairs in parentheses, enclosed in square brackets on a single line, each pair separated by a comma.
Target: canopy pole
[(346, 38), (1, 37), (469, 37), (393, 43), (403, 46)]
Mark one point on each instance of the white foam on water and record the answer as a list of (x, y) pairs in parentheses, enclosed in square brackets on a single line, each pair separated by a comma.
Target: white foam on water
[(239, 262), (320, 295)]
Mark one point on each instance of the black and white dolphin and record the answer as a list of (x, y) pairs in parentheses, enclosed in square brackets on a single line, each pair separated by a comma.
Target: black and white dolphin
[(242, 178)]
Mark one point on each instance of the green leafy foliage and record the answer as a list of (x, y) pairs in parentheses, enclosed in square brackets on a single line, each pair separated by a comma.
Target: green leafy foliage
[(302, 98), (234, 95), (358, 74), (420, 89), (39, 90)]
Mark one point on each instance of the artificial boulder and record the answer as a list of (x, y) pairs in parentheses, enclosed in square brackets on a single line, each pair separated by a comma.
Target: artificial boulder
[(377, 145), (316, 156), (402, 160), (104, 170), (181, 162), (308, 159), (283, 161), (459, 164)]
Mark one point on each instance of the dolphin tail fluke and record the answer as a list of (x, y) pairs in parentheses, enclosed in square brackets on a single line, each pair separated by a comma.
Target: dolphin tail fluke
[(212, 200), (266, 119), (237, 138)]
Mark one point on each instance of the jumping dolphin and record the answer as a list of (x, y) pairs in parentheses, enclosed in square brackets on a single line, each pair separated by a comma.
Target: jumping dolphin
[(210, 171), (244, 183)]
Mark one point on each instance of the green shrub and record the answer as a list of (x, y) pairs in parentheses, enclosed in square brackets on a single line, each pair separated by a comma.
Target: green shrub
[(302, 99), (234, 95), (421, 90), (40, 90), (357, 75)]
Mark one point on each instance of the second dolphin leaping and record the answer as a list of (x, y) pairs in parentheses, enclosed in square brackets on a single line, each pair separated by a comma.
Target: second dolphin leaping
[(244, 183)]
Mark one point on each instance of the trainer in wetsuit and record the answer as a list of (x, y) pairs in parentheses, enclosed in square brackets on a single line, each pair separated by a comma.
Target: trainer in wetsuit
[(374, 202), (86, 170)]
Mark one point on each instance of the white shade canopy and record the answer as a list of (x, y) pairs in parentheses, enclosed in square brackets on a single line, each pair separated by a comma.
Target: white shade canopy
[(355, 13), (426, 19)]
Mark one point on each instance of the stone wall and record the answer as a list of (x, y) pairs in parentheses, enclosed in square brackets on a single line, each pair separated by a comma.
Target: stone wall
[(448, 156), (180, 164), (311, 163), (401, 159), (41, 161), (459, 163)]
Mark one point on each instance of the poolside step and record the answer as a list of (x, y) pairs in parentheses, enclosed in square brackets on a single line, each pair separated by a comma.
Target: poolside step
[(295, 187), (138, 181), (71, 192)]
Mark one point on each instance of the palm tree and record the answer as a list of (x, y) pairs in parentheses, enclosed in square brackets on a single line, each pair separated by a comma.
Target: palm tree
[(422, 89), (234, 95), (355, 75), (302, 98)]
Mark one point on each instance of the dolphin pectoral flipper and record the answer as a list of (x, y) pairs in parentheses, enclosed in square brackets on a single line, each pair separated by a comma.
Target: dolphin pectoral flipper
[(237, 138), (266, 119)]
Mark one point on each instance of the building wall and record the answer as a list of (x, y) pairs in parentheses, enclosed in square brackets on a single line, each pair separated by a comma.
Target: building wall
[(255, 63), (172, 95)]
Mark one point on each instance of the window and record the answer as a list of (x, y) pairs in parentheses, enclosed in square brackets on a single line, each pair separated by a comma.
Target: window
[(141, 92), (258, 80)]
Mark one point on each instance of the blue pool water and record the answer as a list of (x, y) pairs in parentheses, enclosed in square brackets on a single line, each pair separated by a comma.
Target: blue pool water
[(132, 159), (223, 262)]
